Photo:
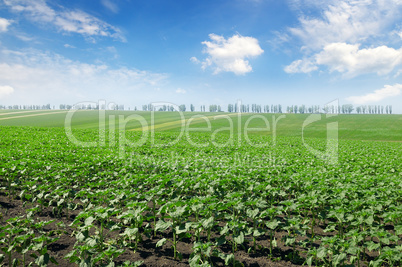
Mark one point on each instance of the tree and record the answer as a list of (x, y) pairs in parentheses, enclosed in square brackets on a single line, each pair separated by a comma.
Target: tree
[(302, 109), (192, 108), (182, 107), (349, 108)]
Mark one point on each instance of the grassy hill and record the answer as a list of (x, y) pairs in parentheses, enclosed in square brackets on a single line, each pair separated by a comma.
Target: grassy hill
[(351, 126)]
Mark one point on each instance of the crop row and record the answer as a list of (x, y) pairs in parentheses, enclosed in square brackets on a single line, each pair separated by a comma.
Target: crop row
[(218, 201)]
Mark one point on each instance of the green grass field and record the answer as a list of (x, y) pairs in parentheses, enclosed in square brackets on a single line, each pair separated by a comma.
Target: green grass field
[(355, 127), (225, 189)]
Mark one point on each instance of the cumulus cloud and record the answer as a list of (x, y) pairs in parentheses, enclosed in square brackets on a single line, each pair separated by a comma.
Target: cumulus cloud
[(346, 21), (180, 91), (4, 23), (343, 36), (230, 55), (75, 21), (350, 60), (39, 76), (301, 66), (378, 95), (5, 90)]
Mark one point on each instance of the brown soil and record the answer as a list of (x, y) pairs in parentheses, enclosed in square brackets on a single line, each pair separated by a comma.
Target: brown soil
[(147, 251)]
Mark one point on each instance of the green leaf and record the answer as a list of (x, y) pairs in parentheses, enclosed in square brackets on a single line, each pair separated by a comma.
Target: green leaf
[(42, 260), (91, 242), (309, 260), (178, 212), (69, 255), (137, 263), (37, 246), (162, 225), (376, 263), (321, 252), (290, 241), (274, 243), (239, 239), (181, 229), (80, 237), (272, 224), (89, 221), (253, 213), (338, 259), (354, 250), (221, 240), (161, 242), (372, 246), (53, 260), (229, 259), (194, 261), (353, 259), (224, 230), (208, 223), (130, 232), (258, 232), (398, 229)]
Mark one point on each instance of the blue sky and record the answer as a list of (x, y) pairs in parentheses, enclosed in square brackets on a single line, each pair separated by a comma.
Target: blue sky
[(289, 52)]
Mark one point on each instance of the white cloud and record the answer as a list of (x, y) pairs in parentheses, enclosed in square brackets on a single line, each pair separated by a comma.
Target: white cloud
[(346, 21), (24, 37), (69, 46), (378, 95), (230, 55), (4, 23), (301, 66), (5, 90), (110, 5), (41, 76), (180, 91), (334, 37), (75, 21), (194, 60), (349, 59)]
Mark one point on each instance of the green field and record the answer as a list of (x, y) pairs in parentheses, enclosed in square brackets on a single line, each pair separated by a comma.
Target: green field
[(209, 196), (355, 127)]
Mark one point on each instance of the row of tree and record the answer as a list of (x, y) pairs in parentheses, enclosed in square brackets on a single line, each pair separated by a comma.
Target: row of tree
[(374, 109), (29, 107), (253, 108)]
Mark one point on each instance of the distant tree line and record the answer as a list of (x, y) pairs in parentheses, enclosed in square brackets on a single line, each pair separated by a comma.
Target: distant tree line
[(244, 108), (30, 107), (254, 108), (374, 109), (64, 106)]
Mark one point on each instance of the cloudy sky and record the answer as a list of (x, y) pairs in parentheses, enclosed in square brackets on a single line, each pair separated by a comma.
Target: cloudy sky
[(201, 52)]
